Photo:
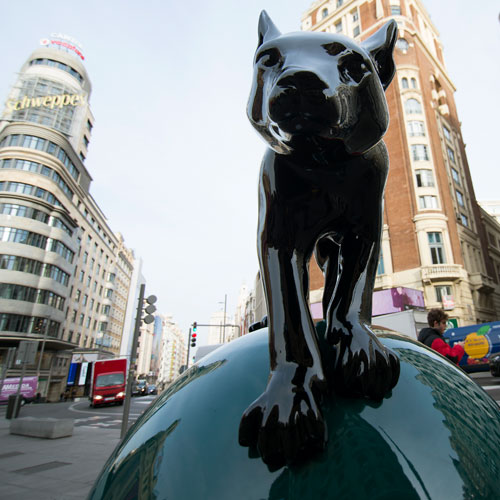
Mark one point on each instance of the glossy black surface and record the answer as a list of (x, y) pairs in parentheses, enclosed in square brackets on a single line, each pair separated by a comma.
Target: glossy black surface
[(318, 100)]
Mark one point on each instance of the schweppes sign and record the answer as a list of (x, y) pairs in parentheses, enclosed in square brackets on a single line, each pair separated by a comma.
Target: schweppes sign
[(48, 101)]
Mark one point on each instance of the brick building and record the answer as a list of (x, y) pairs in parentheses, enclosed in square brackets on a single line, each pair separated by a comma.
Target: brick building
[(434, 238)]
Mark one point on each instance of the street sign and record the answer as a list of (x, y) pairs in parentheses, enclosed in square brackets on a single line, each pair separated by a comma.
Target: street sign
[(26, 352), (452, 323)]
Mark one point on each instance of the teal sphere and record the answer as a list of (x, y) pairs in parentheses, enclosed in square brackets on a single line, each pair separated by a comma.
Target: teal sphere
[(435, 436)]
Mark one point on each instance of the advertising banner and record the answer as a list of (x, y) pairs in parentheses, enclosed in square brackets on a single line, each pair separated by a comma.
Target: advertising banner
[(397, 300), (72, 373), (83, 374), (10, 386)]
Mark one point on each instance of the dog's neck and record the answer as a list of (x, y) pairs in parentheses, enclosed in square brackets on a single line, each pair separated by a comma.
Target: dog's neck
[(323, 152)]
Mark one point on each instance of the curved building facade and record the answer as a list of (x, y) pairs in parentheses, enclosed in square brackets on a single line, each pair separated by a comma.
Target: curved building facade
[(434, 241), (64, 274)]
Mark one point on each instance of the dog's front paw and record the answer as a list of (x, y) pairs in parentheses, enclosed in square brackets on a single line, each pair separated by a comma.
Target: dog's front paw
[(285, 423), (362, 365)]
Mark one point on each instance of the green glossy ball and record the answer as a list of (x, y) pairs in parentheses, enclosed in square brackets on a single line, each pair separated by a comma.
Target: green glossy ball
[(437, 435)]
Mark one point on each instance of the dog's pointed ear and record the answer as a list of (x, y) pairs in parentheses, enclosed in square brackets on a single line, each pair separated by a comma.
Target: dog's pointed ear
[(380, 46), (267, 29)]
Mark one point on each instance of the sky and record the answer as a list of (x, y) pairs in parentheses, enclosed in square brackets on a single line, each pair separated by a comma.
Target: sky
[(173, 158)]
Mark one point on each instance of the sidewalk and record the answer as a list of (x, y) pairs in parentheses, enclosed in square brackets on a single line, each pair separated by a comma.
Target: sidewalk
[(52, 469)]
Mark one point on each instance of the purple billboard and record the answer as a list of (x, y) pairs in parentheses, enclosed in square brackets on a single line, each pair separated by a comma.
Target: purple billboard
[(396, 300), (10, 386)]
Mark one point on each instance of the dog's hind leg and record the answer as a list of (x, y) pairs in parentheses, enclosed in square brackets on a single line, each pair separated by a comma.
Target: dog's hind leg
[(327, 254), (362, 365)]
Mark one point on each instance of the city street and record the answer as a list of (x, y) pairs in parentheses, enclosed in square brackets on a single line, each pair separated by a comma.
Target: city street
[(490, 384), (104, 417)]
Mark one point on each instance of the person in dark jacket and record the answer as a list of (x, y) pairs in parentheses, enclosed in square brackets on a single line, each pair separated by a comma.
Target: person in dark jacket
[(433, 336)]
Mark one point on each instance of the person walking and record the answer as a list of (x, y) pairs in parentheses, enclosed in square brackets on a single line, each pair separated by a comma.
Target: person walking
[(432, 336)]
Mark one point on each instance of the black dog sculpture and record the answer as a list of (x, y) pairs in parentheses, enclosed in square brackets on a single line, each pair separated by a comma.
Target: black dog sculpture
[(318, 100)]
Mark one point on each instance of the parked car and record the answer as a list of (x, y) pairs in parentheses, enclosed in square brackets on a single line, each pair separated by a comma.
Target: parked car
[(152, 389), (495, 366), (140, 388)]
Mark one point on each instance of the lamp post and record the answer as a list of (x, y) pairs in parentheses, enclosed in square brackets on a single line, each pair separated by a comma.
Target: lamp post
[(47, 320), (223, 326)]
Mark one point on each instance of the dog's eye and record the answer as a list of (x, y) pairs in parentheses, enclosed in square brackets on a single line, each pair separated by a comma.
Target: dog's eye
[(269, 57), (334, 48), (353, 68)]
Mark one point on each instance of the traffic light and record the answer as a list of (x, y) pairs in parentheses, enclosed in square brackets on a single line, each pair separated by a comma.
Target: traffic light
[(194, 334), (150, 309)]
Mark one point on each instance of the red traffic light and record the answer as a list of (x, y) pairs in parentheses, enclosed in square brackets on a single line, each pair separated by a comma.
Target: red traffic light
[(193, 335)]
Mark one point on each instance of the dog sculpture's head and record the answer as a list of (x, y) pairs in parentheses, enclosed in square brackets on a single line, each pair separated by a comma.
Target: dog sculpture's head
[(321, 86)]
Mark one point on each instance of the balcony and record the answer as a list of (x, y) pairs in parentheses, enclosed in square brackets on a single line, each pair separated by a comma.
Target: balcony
[(441, 272), (482, 283)]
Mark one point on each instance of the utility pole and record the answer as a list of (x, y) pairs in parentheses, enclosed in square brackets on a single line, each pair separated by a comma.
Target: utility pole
[(189, 344), (133, 354)]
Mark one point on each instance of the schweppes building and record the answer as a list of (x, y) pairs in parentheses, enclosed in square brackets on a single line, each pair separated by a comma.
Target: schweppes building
[(64, 274)]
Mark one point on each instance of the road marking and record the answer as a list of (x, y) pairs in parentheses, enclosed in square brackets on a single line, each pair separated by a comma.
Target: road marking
[(101, 413)]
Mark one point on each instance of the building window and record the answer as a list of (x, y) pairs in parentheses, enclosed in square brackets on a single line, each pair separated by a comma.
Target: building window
[(85, 299), (425, 178), (427, 202), (77, 295), (420, 152), (464, 219), (338, 27), (395, 10), (380, 267), (324, 13), (412, 106), (451, 154), (355, 16), (441, 291), (82, 317), (437, 249), (416, 128), (447, 133), (402, 44), (339, 3), (460, 198), (404, 82), (414, 83), (356, 31), (455, 175)]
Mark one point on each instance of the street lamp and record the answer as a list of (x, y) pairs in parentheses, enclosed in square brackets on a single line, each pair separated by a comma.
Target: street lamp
[(42, 350), (224, 324)]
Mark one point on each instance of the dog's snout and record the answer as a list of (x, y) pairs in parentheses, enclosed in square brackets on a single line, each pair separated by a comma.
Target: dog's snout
[(303, 81)]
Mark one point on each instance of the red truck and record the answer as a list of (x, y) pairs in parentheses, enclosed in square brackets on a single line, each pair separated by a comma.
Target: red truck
[(109, 377)]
